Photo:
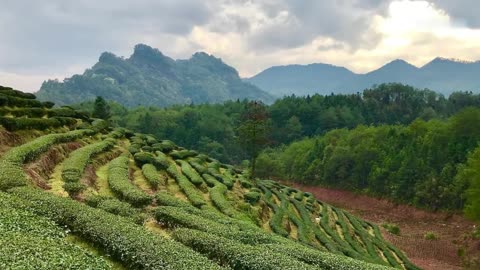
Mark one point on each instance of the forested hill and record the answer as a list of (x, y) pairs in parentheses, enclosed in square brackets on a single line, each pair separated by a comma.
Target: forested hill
[(148, 77), (443, 75)]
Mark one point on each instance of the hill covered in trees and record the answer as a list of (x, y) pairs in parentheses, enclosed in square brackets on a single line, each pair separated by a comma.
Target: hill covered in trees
[(148, 77), (212, 128), (76, 193), (443, 75)]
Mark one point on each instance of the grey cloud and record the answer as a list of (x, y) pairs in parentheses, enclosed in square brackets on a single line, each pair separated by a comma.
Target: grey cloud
[(464, 11), (345, 21), (55, 34)]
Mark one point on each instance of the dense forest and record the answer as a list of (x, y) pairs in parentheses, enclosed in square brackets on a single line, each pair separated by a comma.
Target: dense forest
[(420, 163), (212, 128)]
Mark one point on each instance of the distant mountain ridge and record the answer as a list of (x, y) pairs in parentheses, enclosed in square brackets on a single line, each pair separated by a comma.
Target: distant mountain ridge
[(148, 77), (441, 74)]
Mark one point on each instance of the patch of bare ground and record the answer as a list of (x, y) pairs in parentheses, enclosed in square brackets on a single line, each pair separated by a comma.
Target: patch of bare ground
[(450, 229)]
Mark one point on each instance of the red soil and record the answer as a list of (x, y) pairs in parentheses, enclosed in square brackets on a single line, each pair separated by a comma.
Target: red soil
[(450, 229)]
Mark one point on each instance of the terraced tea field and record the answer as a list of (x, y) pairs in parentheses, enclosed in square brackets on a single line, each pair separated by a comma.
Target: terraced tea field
[(78, 194)]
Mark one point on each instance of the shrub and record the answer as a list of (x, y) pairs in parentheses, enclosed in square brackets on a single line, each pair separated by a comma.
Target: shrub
[(164, 146), (391, 228), (13, 124), (16, 93), (11, 172), (234, 254), (183, 154), (195, 163), (122, 187), (75, 164), (152, 176), (73, 188), (99, 125), (142, 158), (186, 186), (13, 101), (166, 199), (251, 197), (430, 236), (161, 161), (208, 221), (129, 243), (190, 173)]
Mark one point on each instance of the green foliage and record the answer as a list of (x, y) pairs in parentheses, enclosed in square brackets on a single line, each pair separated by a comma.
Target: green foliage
[(252, 197), (119, 183), (392, 228), (418, 163), (183, 154), (75, 164), (152, 176), (101, 109), (430, 236), (194, 177), (469, 174), (13, 124), (136, 247), (11, 172), (115, 207), (150, 78), (186, 186), (142, 158), (234, 254), (28, 241)]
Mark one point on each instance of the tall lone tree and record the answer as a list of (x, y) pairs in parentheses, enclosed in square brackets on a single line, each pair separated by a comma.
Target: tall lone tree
[(254, 131), (101, 109)]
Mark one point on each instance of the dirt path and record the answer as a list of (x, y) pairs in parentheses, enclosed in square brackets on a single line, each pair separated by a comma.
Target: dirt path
[(414, 223)]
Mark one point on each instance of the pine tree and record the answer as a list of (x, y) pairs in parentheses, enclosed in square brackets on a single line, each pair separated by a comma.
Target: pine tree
[(101, 109)]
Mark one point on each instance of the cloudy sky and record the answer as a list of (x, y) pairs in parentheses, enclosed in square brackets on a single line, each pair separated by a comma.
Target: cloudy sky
[(59, 38)]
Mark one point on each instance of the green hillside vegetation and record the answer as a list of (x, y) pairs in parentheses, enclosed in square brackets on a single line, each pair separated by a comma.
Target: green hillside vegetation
[(150, 78), (424, 163), (146, 203), (212, 128)]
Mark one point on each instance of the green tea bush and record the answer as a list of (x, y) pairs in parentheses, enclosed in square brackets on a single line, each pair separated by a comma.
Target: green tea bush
[(13, 101), (183, 154), (161, 160), (195, 163), (100, 125), (166, 199), (194, 177), (125, 241), (391, 228), (212, 223), (13, 124), (322, 260), (186, 186), (11, 172), (8, 91), (165, 146), (217, 195), (252, 197), (152, 176), (236, 255), (29, 241), (142, 158), (122, 187), (75, 164)]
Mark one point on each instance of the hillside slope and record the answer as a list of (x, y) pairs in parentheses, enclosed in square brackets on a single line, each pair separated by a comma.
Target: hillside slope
[(148, 77), (77, 194), (442, 75)]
